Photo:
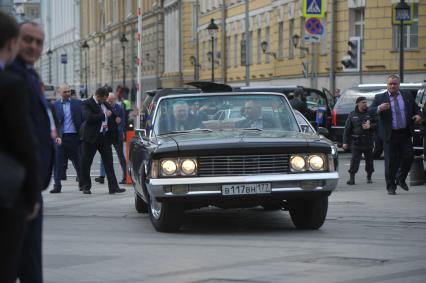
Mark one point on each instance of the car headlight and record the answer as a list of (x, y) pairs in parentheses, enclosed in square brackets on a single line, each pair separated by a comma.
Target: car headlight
[(188, 166), (168, 167), (297, 163), (316, 162)]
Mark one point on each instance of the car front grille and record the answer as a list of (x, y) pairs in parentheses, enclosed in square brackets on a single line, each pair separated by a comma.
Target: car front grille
[(242, 165)]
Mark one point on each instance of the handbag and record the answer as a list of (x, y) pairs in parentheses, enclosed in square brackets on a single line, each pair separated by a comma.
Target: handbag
[(12, 177)]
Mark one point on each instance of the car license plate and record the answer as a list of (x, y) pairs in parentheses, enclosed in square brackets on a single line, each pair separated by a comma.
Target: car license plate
[(246, 189)]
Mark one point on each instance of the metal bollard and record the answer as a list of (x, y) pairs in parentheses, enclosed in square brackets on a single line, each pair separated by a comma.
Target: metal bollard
[(417, 176)]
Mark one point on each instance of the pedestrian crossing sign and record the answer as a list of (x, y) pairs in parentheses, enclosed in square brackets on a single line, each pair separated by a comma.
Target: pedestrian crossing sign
[(313, 8)]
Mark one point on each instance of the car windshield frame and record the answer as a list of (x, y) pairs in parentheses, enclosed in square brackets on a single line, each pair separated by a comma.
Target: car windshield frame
[(283, 109)]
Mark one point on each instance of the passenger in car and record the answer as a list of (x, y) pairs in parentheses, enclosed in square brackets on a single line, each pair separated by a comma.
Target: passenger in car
[(181, 119), (252, 112)]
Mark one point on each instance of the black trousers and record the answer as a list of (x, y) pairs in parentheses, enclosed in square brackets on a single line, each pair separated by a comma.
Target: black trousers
[(31, 267), (69, 149), (118, 146), (12, 221), (398, 157), (88, 151), (357, 152)]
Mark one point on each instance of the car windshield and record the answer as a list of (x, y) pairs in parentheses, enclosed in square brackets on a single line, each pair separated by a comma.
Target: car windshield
[(221, 112)]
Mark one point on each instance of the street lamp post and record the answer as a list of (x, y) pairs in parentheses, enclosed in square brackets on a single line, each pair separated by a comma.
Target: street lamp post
[(402, 13), (49, 54), (213, 30), (85, 46), (124, 41)]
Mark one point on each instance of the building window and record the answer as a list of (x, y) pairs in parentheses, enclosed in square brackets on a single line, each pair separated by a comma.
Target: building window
[(356, 18), (251, 48), (236, 50), (290, 36), (268, 40), (228, 51), (302, 37), (259, 48), (280, 40), (411, 32)]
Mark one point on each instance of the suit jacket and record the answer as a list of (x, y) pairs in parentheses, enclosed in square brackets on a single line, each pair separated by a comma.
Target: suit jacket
[(120, 127), (384, 118), (76, 116), (92, 121), (18, 139), (40, 122)]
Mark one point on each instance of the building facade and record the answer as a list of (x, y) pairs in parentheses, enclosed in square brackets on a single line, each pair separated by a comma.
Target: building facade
[(276, 22)]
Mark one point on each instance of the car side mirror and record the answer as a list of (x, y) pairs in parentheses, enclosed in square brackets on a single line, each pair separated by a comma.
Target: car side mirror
[(322, 131), (141, 133)]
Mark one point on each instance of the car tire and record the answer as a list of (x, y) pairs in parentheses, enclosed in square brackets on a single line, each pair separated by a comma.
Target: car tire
[(309, 213), (140, 205), (165, 217)]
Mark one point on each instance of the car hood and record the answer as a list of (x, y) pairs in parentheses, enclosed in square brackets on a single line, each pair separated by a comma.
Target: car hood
[(242, 142)]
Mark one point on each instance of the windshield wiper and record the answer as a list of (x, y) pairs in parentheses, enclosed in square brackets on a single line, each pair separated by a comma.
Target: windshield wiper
[(253, 129), (201, 130), (187, 131), (174, 132)]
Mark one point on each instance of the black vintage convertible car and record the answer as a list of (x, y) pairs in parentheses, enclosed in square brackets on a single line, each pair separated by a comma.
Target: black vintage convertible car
[(230, 150)]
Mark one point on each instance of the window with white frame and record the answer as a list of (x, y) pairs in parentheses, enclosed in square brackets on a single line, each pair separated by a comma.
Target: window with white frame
[(259, 48), (236, 49), (268, 40), (228, 51), (280, 50), (302, 37), (411, 32), (290, 36), (356, 19)]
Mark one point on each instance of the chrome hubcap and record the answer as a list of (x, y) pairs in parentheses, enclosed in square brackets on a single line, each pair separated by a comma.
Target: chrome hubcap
[(155, 208)]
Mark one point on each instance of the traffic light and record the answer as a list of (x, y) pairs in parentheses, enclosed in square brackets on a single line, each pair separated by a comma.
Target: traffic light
[(351, 62)]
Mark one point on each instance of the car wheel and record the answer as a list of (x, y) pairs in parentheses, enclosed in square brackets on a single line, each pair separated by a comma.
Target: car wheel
[(140, 205), (309, 213), (165, 217)]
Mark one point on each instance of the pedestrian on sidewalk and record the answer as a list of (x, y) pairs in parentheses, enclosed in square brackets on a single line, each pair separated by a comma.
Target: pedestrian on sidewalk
[(97, 132), (397, 112), (68, 111), (117, 143), (359, 133)]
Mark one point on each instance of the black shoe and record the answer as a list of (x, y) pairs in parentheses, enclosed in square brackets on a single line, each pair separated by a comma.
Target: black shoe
[(64, 178), (351, 180), (55, 190), (369, 181), (117, 191), (87, 192), (391, 190), (403, 185), (123, 181), (100, 179)]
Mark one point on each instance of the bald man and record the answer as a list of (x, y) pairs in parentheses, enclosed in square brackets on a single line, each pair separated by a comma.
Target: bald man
[(68, 111), (118, 142), (30, 49)]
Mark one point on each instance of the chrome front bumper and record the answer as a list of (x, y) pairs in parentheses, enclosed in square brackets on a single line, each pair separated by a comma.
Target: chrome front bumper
[(203, 186)]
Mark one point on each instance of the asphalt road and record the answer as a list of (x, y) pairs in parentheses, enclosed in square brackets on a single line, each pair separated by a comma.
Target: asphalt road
[(368, 236)]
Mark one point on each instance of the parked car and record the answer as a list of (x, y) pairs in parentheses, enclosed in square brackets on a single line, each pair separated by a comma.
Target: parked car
[(315, 99), (346, 104), (231, 162)]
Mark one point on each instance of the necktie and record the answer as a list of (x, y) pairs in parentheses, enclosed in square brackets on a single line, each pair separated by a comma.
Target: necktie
[(399, 121)]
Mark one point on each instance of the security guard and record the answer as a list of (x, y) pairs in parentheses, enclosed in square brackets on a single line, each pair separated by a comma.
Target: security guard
[(359, 131)]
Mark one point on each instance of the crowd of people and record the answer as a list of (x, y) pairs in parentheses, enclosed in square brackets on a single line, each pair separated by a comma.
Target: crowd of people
[(41, 137)]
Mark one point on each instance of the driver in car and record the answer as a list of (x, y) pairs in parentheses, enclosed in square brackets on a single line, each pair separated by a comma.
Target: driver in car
[(252, 112)]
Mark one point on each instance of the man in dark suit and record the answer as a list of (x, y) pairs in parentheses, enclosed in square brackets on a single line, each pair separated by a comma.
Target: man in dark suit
[(19, 143), (396, 113), (97, 132), (117, 143), (68, 112), (297, 103), (43, 127), (252, 112)]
